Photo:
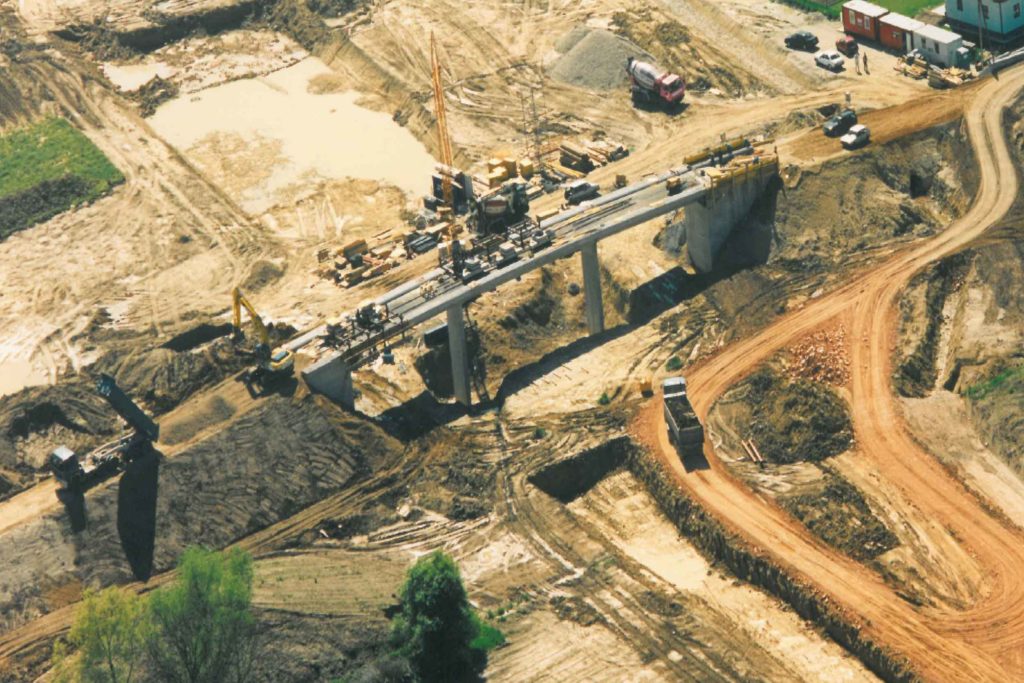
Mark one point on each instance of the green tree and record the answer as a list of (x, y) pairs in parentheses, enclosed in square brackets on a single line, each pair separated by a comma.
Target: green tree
[(203, 628), (436, 628), (108, 635)]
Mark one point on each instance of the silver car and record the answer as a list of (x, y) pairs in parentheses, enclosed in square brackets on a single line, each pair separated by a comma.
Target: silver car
[(832, 60)]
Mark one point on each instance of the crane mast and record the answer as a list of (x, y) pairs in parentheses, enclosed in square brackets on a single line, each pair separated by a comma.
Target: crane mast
[(444, 142)]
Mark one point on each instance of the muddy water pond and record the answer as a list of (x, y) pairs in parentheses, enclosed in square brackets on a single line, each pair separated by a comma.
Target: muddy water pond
[(16, 374), (260, 138)]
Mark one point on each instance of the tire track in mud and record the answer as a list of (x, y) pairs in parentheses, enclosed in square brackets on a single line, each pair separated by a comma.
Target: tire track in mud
[(158, 184)]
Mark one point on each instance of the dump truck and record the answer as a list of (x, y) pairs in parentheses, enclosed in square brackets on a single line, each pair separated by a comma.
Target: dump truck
[(684, 429), (79, 473), (650, 84)]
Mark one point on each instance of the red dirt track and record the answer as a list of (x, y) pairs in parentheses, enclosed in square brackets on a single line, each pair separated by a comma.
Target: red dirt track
[(985, 641)]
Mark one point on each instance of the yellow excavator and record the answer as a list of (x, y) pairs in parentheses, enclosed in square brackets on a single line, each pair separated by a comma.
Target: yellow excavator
[(271, 364)]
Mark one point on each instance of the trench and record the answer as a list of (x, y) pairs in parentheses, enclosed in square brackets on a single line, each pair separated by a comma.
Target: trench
[(571, 477)]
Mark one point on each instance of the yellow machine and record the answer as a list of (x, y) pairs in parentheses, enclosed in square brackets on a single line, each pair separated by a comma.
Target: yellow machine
[(270, 363)]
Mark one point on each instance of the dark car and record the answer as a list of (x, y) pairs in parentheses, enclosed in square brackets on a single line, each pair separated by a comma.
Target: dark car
[(840, 123), (802, 40)]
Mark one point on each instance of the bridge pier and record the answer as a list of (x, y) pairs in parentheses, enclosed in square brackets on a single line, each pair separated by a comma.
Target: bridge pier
[(592, 288), (459, 354), (332, 377)]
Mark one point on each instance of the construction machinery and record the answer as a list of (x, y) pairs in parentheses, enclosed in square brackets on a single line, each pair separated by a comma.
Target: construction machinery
[(74, 473), (498, 210), (444, 142), (653, 85), (684, 428), (271, 364)]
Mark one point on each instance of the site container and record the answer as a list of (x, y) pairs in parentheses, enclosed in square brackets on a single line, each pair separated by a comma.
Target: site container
[(896, 30), (937, 45), (862, 19)]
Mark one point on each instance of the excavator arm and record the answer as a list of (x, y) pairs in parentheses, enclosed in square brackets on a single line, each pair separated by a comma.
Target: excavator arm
[(238, 302), (269, 360)]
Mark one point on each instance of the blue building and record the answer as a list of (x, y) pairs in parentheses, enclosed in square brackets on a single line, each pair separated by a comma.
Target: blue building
[(992, 23)]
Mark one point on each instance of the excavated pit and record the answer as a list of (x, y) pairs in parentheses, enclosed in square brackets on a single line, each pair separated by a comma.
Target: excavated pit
[(573, 476)]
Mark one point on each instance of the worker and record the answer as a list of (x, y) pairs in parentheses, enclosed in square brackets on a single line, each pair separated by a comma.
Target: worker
[(866, 63)]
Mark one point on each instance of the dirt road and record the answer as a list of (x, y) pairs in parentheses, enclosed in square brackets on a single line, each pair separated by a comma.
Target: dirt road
[(983, 642)]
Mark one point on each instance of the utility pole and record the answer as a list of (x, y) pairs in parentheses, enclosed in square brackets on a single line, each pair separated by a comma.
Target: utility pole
[(981, 27), (538, 162)]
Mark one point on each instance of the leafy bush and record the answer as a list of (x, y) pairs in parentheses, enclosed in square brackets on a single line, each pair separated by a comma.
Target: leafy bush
[(436, 630), (199, 629)]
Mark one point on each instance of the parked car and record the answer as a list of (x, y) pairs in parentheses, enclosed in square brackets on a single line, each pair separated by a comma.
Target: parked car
[(840, 123), (847, 45), (802, 40), (580, 190), (833, 61), (858, 136)]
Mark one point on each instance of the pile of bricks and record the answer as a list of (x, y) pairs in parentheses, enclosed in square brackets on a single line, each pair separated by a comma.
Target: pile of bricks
[(821, 357)]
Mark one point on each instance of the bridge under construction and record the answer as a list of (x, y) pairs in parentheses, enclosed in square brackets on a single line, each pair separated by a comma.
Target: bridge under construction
[(717, 187)]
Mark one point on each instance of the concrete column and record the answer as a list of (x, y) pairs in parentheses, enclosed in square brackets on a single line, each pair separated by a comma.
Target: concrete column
[(332, 377), (460, 354), (592, 289)]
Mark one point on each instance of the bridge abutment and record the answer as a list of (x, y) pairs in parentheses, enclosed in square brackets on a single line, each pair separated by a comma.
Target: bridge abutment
[(709, 222), (332, 377)]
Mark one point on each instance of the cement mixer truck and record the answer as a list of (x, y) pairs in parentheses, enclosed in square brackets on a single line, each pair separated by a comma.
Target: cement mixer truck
[(652, 85)]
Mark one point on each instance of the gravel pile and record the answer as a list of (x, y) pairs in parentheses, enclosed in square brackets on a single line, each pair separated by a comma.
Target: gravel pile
[(594, 59)]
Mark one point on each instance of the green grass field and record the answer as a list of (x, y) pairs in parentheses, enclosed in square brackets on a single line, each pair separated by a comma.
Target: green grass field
[(47, 168), (907, 7)]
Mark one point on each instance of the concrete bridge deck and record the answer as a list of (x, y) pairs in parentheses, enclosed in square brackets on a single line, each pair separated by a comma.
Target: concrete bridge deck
[(575, 230)]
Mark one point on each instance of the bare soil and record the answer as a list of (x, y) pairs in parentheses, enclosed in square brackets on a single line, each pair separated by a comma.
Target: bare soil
[(601, 587)]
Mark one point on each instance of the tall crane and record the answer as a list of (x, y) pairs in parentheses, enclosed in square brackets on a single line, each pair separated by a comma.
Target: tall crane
[(443, 141)]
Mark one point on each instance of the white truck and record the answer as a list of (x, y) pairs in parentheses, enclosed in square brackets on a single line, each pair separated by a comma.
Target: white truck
[(650, 84)]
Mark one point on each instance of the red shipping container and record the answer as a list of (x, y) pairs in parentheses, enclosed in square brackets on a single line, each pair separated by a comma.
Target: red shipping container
[(895, 29), (860, 18)]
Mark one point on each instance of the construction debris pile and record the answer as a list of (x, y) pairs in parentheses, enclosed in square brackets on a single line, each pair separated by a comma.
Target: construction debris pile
[(821, 357), (356, 261), (916, 67)]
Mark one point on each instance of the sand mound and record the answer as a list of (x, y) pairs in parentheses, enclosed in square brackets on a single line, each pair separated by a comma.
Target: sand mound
[(594, 59)]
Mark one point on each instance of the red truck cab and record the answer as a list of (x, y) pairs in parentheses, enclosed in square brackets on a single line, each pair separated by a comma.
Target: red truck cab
[(847, 45), (672, 89)]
